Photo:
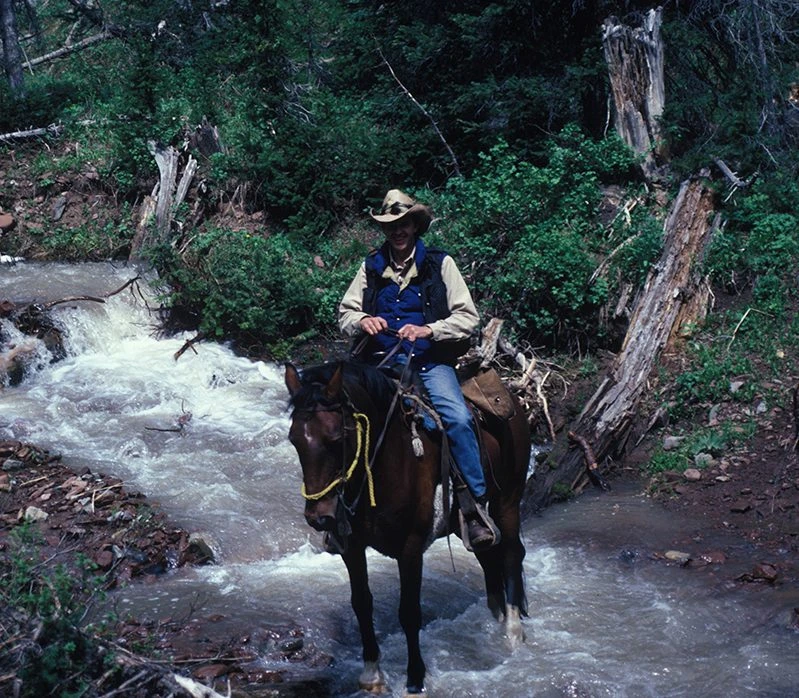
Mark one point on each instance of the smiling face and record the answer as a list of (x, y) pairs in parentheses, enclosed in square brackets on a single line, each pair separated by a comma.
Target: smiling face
[(401, 235)]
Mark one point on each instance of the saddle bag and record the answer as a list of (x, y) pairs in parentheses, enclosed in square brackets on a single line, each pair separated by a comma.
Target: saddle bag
[(486, 391)]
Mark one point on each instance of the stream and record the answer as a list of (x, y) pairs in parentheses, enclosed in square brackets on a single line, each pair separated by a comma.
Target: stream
[(605, 619)]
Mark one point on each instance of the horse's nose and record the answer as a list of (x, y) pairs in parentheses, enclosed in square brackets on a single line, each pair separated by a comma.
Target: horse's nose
[(320, 516), (321, 523)]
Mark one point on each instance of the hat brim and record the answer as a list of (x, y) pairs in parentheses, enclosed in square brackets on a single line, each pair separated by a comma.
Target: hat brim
[(423, 215)]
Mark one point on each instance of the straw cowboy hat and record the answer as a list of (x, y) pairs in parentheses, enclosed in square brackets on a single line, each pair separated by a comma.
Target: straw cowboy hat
[(397, 205)]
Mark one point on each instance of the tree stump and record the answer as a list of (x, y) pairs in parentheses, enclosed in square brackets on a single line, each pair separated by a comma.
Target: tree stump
[(635, 65)]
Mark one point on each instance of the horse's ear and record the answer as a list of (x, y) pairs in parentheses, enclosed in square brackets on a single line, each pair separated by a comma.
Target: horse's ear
[(333, 387), (293, 382)]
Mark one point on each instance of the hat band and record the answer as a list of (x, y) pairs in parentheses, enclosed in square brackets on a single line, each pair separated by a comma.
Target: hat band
[(396, 208)]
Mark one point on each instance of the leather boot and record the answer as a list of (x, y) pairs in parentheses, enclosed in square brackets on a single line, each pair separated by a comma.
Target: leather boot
[(480, 535)]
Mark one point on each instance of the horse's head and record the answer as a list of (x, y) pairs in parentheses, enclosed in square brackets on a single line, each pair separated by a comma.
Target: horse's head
[(318, 432)]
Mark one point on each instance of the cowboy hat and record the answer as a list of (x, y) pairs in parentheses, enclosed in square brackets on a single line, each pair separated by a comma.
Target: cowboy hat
[(397, 205)]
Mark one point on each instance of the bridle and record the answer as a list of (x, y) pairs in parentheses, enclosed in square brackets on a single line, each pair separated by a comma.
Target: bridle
[(362, 438)]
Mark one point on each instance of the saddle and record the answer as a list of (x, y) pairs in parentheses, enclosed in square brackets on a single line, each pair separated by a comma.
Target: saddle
[(491, 403), (486, 391)]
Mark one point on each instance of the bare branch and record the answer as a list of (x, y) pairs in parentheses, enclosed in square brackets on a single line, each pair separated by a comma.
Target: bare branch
[(424, 111), (66, 50)]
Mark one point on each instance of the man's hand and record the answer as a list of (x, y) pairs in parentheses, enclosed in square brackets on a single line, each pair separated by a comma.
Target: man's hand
[(373, 325), (414, 332)]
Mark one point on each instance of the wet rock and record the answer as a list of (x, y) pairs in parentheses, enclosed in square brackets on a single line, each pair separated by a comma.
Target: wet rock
[(715, 557), (13, 464), (677, 556), (202, 548), (762, 572)]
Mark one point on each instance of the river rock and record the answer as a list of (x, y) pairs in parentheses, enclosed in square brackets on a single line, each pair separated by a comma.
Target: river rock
[(13, 464), (692, 475), (677, 556), (203, 546)]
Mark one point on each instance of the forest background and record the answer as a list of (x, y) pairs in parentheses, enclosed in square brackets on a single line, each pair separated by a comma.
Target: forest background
[(497, 114), (281, 123)]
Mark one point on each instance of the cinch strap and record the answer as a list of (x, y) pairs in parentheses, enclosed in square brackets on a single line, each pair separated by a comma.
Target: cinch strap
[(361, 447)]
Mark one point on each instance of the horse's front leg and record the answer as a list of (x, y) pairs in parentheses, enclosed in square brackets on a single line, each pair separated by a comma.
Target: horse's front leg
[(371, 678), (410, 614)]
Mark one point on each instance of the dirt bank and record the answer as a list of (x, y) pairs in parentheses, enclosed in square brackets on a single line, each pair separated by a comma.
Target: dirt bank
[(55, 519)]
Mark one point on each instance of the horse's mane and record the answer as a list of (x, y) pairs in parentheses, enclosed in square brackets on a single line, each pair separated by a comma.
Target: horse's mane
[(361, 381)]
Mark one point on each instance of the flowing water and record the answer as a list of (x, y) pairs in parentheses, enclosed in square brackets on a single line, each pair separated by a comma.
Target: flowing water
[(604, 619)]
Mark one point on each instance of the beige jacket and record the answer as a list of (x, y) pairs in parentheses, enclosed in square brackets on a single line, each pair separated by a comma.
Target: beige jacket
[(459, 325)]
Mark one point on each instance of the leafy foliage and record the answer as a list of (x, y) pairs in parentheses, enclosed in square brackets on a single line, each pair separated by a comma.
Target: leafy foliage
[(713, 441), (529, 236), (57, 600), (254, 289), (494, 112)]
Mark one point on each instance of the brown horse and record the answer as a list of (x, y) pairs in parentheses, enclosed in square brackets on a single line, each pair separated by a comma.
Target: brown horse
[(364, 485)]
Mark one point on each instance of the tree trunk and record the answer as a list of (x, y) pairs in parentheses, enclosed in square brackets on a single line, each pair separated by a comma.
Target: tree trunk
[(12, 53), (674, 295), (635, 64)]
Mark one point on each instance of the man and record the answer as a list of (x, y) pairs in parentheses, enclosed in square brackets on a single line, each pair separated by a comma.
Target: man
[(420, 295)]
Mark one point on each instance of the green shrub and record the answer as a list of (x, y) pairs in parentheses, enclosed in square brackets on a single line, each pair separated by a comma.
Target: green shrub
[(715, 441), (90, 241), (253, 289), (55, 598), (529, 239), (708, 377)]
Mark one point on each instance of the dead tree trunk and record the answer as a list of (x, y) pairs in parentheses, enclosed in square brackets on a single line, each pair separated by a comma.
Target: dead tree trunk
[(72, 48), (158, 210), (675, 294), (12, 53), (635, 64)]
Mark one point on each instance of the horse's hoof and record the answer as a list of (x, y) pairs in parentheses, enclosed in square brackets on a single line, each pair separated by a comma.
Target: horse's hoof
[(372, 679), (414, 691), (376, 689), (514, 630)]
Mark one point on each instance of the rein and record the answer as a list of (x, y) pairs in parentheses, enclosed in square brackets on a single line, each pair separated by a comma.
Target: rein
[(361, 448)]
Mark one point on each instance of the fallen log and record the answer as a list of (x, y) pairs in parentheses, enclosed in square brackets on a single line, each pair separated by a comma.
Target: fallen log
[(675, 294), (67, 50)]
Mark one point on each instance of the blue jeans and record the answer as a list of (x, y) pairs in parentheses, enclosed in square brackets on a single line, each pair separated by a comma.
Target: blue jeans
[(444, 390)]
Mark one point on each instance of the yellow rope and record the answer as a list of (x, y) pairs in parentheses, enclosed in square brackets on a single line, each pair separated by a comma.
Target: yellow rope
[(361, 446)]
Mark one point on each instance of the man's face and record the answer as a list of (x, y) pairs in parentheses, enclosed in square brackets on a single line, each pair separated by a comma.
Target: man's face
[(401, 236)]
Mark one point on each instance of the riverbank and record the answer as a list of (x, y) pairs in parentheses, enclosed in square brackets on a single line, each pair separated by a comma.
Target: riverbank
[(69, 538)]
